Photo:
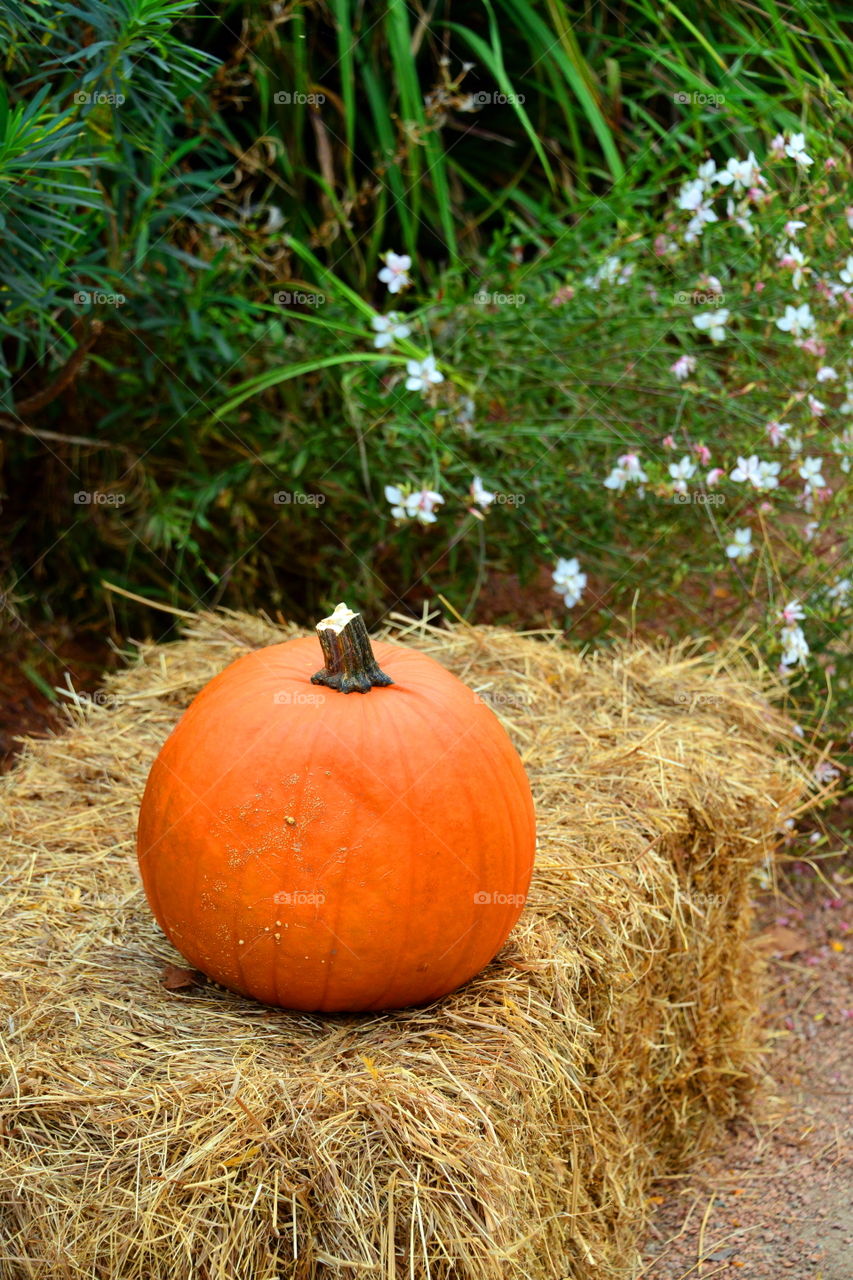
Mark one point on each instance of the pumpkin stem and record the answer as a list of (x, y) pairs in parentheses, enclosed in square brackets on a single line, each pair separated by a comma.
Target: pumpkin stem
[(350, 664)]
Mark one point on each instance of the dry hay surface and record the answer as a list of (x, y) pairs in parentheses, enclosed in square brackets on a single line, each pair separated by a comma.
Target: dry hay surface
[(510, 1130)]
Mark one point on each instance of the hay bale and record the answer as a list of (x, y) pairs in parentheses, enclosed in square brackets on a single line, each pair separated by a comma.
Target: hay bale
[(509, 1131)]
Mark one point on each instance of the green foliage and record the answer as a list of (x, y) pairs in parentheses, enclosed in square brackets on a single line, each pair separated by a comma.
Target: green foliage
[(98, 168), (378, 135), (194, 208)]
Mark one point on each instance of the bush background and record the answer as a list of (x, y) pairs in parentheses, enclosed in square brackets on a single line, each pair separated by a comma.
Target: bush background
[(197, 164)]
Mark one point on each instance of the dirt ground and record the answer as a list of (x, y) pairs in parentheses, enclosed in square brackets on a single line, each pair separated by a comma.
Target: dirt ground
[(777, 1199)]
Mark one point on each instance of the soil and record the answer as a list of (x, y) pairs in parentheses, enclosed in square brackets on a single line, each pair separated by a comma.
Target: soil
[(777, 1199), (32, 665)]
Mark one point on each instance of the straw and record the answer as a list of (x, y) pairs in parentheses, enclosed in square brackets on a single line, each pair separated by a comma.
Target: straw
[(509, 1131)]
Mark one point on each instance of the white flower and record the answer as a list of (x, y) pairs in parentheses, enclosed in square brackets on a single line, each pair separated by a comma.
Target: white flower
[(761, 475), (422, 373), (714, 322), (617, 480), (794, 259), (691, 195), (747, 469), (740, 547), (480, 496), (843, 446), (792, 613), (840, 591), (681, 472), (817, 406), (395, 272), (795, 445), (611, 271), (742, 216), (768, 475), (796, 319), (628, 468), (791, 228), (633, 470), (810, 471), (740, 174), (388, 329), (826, 373), (777, 147), (846, 272), (569, 581), (683, 367), (413, 505), (796, 149), (795, 648), (707, 172), (810, 529), (696, 225), (777, 430)]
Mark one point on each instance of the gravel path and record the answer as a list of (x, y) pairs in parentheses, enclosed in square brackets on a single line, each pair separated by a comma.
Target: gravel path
[(778, 1200)]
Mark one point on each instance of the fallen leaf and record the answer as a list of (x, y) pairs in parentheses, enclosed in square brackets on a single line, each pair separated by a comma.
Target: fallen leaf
[(780, 941), (175, 978)]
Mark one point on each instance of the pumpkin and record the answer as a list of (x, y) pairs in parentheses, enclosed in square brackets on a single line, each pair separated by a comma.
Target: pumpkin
[(358, 839)]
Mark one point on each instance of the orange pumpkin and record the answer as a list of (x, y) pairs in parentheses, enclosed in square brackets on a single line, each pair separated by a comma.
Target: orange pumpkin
[(324, 851)]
